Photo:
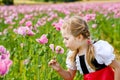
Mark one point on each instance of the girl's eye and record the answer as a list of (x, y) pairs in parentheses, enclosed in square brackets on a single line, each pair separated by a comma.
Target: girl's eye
[(66, 38)]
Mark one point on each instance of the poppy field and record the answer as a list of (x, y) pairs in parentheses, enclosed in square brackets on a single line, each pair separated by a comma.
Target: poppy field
[(30, 36)]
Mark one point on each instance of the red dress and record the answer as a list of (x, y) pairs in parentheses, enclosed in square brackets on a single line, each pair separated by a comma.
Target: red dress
[(103, 74)]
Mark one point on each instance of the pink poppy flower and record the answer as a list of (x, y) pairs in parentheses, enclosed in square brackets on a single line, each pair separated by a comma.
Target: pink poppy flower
[(28, 16), (28, 23), (94, 25), (52, 47), (4, 67), (90, 17), (8, 21), (43, 39), (58, 25), (2, 50), (22, 21), (5, 62), (24, 31), (59, 49)]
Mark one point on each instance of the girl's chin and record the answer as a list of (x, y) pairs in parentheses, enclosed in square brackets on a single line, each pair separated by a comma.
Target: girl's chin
[(68, 48), (72, 49)]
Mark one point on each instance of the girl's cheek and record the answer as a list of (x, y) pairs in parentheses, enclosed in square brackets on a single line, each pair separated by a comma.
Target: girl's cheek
[(66, 45)]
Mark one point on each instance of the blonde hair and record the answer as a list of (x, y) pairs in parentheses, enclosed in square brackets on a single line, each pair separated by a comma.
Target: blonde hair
[(76, 26)]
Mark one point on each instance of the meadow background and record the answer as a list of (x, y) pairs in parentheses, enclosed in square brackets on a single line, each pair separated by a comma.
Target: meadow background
[(29, 57)]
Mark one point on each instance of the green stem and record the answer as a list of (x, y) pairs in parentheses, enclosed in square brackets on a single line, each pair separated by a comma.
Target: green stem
[(38, 67), (46, 66)]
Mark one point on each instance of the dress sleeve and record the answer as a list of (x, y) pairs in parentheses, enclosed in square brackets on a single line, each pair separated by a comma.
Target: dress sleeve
[(68, 62), (104, 52)]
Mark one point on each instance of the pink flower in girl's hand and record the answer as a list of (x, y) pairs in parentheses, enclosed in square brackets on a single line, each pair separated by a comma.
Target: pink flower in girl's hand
[(52, 47), (43, 39), (59, 49)]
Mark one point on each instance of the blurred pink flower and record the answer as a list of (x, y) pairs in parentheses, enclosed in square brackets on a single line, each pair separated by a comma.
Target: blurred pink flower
[(52, 16), (8, 21), (2, 50), (24, 31), (117, 15), (30, 33), (43, 39), (26, 61), (66, 12), (4, 67), (28, 16), (28, 23), (5, 62), (89, 17), (59, 49), (22, 21), (58, 25), (52, 47), (94, 25), (50, 19), (39, 23), (5, 31)]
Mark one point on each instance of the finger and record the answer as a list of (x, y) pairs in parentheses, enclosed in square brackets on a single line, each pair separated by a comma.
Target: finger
[(52, 62), (49, 63)]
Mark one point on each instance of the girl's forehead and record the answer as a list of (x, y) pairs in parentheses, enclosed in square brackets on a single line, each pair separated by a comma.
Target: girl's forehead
[(65, 33)]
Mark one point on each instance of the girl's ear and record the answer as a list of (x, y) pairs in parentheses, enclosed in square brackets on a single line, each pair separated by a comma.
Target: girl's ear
[(80, 37)]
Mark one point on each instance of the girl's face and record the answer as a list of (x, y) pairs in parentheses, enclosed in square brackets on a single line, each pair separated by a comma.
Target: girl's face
[(70, 41)]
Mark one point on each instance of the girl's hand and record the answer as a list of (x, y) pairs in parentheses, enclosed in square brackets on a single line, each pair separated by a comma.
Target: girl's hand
[(54, 64)]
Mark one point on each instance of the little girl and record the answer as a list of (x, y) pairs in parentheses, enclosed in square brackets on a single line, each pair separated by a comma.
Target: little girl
[(95, 60)]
